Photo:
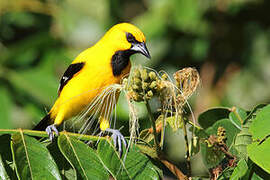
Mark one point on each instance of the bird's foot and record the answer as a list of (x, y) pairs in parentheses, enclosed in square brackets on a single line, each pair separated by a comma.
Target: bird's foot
[(50, 129), (118, 139)]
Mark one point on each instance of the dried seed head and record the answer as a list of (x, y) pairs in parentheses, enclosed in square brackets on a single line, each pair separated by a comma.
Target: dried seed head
[(187, 80)]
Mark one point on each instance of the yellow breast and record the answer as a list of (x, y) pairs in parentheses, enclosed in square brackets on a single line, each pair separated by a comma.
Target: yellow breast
[(80, 91)]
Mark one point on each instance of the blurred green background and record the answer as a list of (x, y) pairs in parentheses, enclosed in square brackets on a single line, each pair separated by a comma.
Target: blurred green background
[(228, 41)]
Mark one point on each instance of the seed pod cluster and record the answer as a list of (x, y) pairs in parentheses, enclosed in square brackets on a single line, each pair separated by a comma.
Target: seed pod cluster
[(221, 135), (143, 85)]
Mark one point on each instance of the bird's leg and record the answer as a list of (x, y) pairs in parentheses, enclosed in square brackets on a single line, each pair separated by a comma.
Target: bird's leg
[(50, 129), (118, 139)]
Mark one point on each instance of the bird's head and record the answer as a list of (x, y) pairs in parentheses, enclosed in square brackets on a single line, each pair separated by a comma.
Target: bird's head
[(125, 36)]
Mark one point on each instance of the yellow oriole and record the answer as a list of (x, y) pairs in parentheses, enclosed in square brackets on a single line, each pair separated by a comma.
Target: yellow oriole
[(97, 67)]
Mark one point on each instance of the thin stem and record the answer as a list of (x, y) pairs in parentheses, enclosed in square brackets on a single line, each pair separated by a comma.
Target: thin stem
[(44, 134), (233, 109), (162, 130), (194, 125), (187, 149), (153, 124)]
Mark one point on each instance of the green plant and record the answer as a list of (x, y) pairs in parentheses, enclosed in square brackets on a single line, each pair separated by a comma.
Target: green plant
[(234, 143)]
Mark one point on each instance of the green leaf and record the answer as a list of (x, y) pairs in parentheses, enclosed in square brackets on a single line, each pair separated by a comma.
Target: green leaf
[(171, 121), (259, 151), (3, 173), (242, 140), (146, 135), (32, 159), (240, 170), (209, 117), (6, 156), (174, 123), (148, 150), (66, 170), (237, 117), (260, 172), (201, 133), (254, 110), (83, 158), (259, 154), (260, 125), (225, 174), (231, 130), (256, 177), (111, 160), (140, 166), (132, 165), (212, 156)]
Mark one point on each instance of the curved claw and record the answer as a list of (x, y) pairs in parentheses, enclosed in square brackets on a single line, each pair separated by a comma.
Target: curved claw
[(118, 139), (50, 129)]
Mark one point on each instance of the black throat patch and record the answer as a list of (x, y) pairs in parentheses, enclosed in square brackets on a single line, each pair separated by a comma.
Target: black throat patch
[(120, 61)]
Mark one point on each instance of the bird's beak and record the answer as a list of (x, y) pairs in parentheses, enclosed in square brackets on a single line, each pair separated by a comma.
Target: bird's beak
[(141, 48)]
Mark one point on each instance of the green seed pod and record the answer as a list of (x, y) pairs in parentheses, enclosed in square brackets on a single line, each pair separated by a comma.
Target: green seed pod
[(145, 85), (152, 75), (138, 98), (125, 83), (221, 131), (144, 75), (146, 97), (150, 93), (164, 77), (153, 85), (160, 85), (135, 97), (137, 73), (137, 81), (135, 87)]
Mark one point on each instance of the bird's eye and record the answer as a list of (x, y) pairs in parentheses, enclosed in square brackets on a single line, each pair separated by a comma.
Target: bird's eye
[(130, 38)]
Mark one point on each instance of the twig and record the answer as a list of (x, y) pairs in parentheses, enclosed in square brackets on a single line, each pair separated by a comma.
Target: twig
[(177, 172), (153, 125), (187, 149), (44, 134)]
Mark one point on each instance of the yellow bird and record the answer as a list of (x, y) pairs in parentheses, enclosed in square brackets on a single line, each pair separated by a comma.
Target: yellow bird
[(94, 69)]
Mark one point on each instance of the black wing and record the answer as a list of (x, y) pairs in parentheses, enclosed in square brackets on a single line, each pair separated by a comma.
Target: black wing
[(69, 73)]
